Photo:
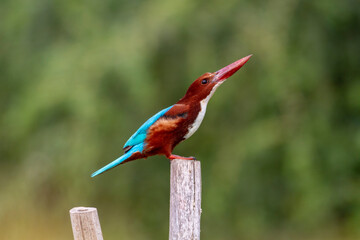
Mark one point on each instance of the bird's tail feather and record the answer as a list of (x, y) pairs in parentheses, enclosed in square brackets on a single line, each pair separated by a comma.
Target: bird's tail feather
[(119, 160)]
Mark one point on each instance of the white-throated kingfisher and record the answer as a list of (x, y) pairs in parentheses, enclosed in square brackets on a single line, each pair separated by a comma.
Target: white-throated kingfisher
[(166, 129)]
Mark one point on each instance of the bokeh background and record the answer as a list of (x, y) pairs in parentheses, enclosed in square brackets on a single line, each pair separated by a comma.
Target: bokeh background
[(280, 144)]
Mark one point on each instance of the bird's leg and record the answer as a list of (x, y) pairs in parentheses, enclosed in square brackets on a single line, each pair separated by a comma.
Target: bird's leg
[(173, 156)]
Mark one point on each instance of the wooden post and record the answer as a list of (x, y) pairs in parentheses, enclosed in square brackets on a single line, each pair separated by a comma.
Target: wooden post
[(185, 200), (85, 223)]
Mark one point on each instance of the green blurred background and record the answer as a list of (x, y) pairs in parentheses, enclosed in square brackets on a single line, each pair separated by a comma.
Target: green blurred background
[(280, 144)]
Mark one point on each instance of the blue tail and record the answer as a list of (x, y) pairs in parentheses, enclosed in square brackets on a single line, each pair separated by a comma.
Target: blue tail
[(136, 148)]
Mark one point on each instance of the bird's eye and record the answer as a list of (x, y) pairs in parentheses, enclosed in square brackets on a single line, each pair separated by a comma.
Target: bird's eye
[(204, 81)]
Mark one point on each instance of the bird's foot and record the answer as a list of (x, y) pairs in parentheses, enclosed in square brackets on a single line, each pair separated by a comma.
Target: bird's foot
[(173, 156)]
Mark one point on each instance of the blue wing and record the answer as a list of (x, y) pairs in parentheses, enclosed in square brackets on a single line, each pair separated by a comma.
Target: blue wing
[(137, 148), (136, 142), (140, 135)]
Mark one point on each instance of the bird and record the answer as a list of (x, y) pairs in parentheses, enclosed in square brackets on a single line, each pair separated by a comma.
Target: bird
[(162, 132)]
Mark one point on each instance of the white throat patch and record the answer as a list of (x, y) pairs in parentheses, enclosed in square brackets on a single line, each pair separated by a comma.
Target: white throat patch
[(203, 104)]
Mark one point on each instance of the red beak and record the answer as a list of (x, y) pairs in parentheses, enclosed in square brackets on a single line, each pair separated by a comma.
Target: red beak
[(230, 69)]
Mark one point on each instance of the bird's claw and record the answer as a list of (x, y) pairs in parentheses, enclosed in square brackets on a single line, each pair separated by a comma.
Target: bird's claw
[(172, 157)]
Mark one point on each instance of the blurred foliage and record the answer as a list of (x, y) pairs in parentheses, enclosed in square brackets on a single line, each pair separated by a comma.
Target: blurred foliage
[(280, 144)]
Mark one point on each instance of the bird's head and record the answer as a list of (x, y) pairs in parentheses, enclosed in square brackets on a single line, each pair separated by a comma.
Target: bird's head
[(205, 86)]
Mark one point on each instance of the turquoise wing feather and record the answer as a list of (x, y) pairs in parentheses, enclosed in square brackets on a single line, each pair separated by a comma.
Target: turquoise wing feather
[(136, 141), (140, 135), (137, 148)]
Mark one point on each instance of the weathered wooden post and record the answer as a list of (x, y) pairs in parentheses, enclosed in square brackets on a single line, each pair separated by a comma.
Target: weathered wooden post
[(185, 200), (85, 223)]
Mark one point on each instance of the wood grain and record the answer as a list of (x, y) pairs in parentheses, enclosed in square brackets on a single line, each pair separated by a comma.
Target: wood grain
[(85, 223), (185, 200)]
